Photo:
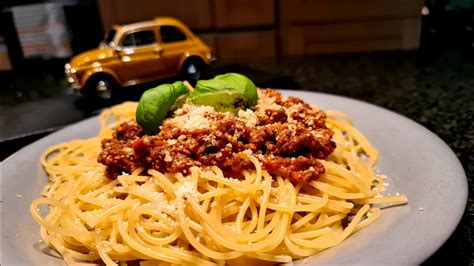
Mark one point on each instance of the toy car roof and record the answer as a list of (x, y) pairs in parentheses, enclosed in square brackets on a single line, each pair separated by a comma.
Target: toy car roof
[(158, 21)]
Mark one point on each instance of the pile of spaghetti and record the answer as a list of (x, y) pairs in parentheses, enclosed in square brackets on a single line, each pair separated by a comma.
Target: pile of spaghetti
[(203, 216)]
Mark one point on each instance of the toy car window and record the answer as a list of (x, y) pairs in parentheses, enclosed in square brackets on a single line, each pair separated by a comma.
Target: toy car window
[(139, 38), (171, 34)]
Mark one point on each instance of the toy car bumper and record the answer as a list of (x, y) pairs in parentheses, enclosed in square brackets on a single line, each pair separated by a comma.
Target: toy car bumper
[(71, 77)]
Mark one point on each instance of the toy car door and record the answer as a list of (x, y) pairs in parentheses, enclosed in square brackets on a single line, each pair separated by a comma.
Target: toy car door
[(140, 56), (174, 43)]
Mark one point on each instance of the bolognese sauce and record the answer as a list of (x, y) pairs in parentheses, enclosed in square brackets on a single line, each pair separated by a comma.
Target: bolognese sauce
[(287, 135)]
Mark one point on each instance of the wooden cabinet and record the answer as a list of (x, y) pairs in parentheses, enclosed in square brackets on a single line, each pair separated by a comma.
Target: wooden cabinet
[(244, 13), (250, 44), (396, 34), (195, 14), (326, 26), (304, 12), (198, 15), (267, 28), (247, 44)]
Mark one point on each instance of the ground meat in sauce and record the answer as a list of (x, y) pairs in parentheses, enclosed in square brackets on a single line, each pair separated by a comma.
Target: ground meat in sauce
[(288, 138), (118, 153)]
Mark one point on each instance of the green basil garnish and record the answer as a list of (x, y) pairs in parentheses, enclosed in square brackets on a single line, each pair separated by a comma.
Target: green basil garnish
[(155, 104), (228, 92)]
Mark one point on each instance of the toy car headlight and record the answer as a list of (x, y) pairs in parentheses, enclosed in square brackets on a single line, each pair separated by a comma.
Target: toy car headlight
[(68, 69)]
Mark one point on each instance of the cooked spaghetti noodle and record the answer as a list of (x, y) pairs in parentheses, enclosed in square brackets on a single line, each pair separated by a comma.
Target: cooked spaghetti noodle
[(204, 217)]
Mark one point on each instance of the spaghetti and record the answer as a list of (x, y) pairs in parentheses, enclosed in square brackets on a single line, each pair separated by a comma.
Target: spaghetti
[(204, 217)]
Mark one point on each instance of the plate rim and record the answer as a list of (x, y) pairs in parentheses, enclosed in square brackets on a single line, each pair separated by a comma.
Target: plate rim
[(461, 178)]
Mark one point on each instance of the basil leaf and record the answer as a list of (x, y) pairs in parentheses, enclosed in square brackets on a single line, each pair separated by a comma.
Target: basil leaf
[(155, 104), (227, 92)]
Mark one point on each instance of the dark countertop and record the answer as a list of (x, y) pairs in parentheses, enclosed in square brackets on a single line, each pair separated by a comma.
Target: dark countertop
[(438, 94)]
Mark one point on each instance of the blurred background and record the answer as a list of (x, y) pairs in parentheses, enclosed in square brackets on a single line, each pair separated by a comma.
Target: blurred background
[(411, 56)]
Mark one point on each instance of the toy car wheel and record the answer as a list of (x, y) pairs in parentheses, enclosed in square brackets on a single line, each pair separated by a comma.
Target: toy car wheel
[(102, 87), (192, 69)]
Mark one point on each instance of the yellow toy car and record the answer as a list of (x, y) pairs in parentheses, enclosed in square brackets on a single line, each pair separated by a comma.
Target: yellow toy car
[(137, 53)]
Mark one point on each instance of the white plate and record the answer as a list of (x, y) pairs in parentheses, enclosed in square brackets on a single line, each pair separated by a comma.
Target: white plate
[(417, 162)]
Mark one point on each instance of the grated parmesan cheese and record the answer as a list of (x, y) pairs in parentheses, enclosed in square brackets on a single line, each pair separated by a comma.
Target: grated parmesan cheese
[(248, 151), (187, 188), (192, 117), (249, 117)]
